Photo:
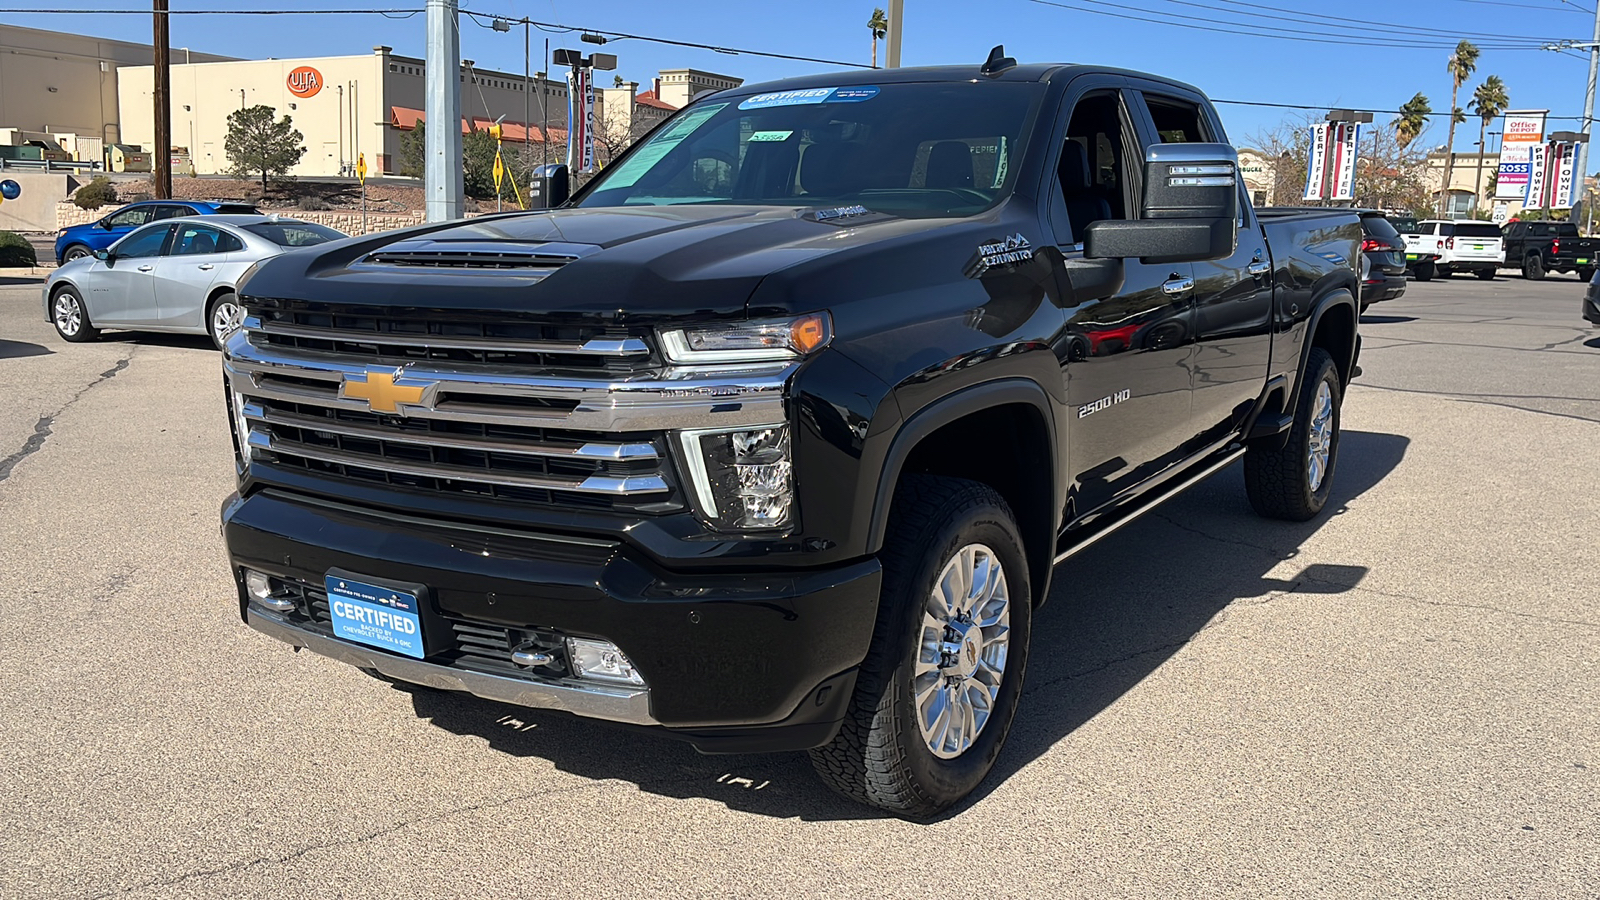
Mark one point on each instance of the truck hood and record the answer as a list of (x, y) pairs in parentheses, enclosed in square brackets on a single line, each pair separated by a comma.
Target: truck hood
[(611, 264)]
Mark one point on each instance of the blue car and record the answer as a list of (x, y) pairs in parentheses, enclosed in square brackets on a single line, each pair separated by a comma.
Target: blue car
[(83, 240)]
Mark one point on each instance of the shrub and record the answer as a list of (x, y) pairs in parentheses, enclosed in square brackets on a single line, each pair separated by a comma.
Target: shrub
[(95, 194), (16, 251), (313, 203)]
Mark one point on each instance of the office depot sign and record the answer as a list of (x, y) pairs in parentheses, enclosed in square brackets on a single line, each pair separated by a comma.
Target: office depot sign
[(305, 82)]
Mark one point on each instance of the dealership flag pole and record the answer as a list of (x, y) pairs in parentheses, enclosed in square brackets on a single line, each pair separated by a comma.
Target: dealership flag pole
[(443, 169)]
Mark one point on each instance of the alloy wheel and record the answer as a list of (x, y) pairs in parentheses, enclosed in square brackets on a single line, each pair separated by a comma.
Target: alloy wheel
[(226, 318), (68, 314), (1320, 446), (961, 657)]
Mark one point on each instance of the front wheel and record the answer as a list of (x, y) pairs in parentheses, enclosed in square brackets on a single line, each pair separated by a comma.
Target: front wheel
[(1486, 274), (1292, 482), (224, 318), (71, 317), (937, 693)]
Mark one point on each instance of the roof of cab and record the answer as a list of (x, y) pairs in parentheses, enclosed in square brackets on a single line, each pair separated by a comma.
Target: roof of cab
[(970, 73)]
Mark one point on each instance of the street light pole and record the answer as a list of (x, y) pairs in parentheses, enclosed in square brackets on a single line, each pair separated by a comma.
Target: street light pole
[(897, 9)]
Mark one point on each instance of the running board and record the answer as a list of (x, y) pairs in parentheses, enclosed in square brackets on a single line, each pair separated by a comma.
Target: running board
[(1209, 470)]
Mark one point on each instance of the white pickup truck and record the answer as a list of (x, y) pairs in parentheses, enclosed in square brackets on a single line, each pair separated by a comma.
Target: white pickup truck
[(1447, 246)]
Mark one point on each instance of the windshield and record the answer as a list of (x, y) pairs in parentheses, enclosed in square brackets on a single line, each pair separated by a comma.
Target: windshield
[(928, 149), (295, 234)]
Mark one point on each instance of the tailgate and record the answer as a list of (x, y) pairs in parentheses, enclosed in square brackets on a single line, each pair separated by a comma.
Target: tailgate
[(1478, 247)]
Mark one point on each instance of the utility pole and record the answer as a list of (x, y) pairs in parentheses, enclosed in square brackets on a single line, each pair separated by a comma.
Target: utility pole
[(1588, 118), (897, 9), (442, 173), (162, 170)]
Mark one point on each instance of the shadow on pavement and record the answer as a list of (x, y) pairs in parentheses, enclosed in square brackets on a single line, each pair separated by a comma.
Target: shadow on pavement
[(13, 280), (1386, 320), (159, 339), (13, 349), (1595, 343), (1117, 613)]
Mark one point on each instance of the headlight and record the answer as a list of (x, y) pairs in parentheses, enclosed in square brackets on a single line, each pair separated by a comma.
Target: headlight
[(742, 479), (757, 341)]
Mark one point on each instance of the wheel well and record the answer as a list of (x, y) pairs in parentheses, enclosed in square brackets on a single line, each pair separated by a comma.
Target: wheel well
[(215, 293), (1008, 448), (1336, 333)]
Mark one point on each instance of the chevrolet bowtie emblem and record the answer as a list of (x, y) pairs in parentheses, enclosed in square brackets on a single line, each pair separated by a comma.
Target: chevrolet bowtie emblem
[(384, 392)]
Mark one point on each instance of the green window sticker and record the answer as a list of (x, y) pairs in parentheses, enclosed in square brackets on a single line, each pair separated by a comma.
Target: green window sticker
[(775, 137)]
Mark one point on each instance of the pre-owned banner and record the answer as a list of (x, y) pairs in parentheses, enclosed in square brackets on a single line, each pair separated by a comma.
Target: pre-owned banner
[(1538, 164), (1524, 131), (1565, 161), (1317, 162), (580, 121), (1346, 144)]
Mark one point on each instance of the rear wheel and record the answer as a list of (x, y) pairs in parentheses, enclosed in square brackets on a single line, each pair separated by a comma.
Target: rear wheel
[(1486, 274), (71, 317), (1533, 268), (224, 317), (938, 690), (1293, 482), (1586, 274), (1424, 271)]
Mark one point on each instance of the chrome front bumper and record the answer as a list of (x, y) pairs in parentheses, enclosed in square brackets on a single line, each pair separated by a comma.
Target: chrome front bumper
[(612, 703)]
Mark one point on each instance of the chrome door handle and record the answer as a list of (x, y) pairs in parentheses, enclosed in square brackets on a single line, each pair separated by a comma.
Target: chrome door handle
[(207, 267), (1259, 268), (146, 268), (1178, 285)]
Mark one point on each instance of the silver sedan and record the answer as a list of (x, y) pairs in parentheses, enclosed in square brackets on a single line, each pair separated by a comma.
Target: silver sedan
[(177, 275)]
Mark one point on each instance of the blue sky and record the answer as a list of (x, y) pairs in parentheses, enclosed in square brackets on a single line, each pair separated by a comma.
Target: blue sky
[(1233, 62)]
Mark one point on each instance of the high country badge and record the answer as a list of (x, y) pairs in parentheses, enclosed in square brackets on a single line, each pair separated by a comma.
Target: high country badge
[(1001, 253)]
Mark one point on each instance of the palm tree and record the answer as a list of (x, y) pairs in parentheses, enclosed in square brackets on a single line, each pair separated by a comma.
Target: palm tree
[(1413, 119), (1489, 102), (1463, 62), (879, 24)]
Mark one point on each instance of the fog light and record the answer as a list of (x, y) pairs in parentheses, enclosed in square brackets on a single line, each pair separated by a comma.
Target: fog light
[(259, 586), (602, 661)]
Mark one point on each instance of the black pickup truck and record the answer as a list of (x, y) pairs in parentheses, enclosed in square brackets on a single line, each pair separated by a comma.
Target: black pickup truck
[(770, 438), (1540, 247)]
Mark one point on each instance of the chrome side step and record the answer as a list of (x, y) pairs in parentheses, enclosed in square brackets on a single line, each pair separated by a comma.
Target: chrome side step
[(1209, 470)]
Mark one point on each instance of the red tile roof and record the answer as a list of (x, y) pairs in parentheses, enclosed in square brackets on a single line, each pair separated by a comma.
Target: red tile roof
[(405, 119), (649, 98)]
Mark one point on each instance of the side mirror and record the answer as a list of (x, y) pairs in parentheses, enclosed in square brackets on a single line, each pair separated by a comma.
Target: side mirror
[(105, 223), (549, 187), (1190, 210), (103, 255)]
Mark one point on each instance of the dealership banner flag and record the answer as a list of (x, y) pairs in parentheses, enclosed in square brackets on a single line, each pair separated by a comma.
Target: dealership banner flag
[(580, 121), (1346, 144), (1317, 163), (1566, 162), (1538, 163), (1524, 131)]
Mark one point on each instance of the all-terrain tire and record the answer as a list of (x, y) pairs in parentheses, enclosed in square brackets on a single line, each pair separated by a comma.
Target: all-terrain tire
[(1279, 481), (1533, 267), (880, 756)]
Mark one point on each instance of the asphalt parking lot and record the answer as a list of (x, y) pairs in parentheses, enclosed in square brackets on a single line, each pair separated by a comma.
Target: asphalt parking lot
[(1397, 699)]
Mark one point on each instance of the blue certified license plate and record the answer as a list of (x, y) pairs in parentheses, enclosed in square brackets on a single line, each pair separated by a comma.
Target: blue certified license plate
[(376, 616), (1411, 256)]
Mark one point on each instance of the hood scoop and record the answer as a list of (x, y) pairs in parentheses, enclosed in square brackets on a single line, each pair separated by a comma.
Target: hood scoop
[(433, 254)]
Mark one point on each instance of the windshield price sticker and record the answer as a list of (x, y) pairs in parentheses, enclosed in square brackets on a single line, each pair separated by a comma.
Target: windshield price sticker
[(811, 97), (774, 137)]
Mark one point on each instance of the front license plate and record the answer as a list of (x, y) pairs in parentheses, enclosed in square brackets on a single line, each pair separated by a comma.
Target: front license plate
[(376, 616)]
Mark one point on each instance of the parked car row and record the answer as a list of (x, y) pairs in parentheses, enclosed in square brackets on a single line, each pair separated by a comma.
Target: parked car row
[(78, 241), (174, 275)]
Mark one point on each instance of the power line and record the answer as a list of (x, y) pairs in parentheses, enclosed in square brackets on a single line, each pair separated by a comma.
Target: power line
[(215, 12), (1575, 8), (1289, 35), (1302, 16)]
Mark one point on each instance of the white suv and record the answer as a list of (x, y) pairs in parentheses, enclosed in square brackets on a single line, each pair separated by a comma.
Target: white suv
[(1447, 246)]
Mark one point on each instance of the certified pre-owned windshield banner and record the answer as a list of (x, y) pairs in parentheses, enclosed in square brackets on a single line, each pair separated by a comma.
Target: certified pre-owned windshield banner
[(1524, 133)]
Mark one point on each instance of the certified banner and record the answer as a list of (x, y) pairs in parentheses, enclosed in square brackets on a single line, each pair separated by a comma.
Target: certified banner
[(1538, 163), (1523, 132), (580, 121), (1317, 162), (1565, 165), (1346, 144)]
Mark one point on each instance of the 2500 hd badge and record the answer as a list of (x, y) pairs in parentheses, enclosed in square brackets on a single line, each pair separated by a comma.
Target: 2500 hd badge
[(744, 445)]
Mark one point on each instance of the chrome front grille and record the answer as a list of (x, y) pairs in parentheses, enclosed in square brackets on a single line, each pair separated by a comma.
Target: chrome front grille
[(592, 439)]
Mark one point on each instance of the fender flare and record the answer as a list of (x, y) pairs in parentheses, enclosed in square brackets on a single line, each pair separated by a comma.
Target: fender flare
[(942, 412), (1339, 295)]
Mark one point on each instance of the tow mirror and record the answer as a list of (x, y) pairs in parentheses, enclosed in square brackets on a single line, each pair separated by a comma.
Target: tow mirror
[(1190, 211)]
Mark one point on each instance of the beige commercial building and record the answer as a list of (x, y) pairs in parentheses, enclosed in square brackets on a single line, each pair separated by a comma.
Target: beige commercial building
[(63, 87), (349, 107)]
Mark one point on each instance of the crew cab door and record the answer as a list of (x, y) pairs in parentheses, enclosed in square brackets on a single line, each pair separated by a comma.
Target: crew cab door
[(1126, 357), (1232, 297)]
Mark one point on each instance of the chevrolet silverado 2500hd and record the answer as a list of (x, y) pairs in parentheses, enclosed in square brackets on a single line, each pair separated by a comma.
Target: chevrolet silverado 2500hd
[(770, 437)]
